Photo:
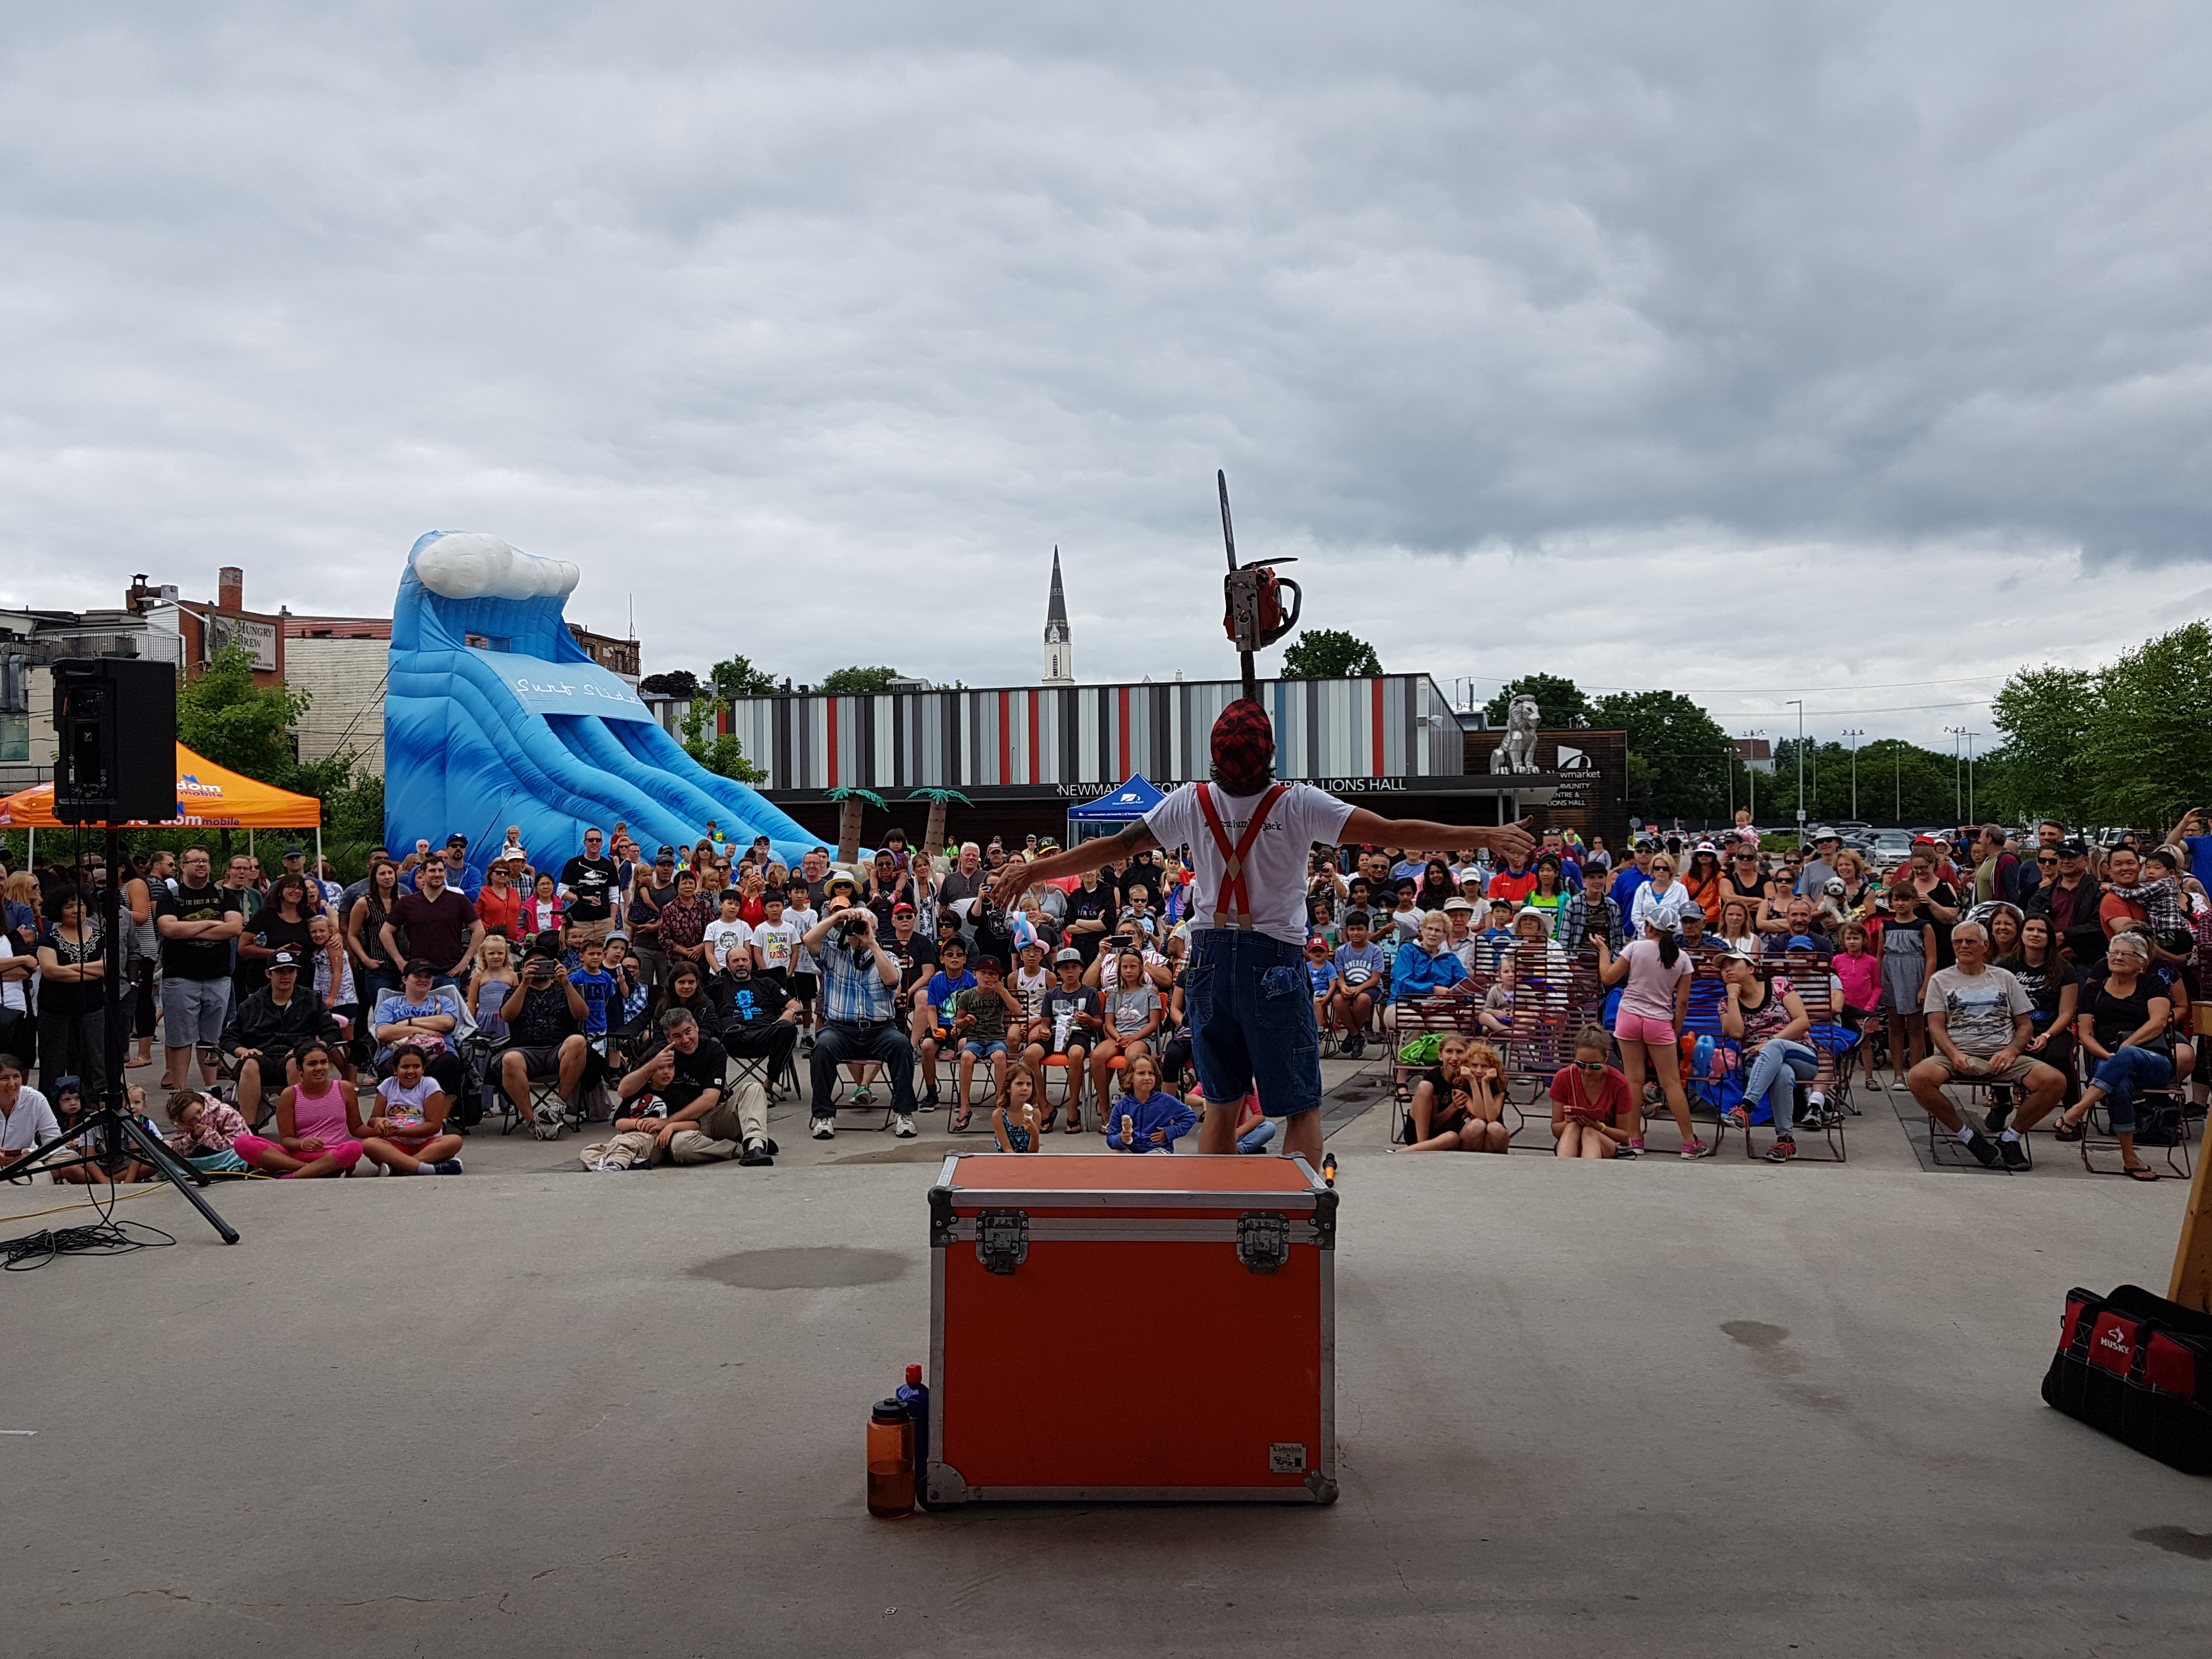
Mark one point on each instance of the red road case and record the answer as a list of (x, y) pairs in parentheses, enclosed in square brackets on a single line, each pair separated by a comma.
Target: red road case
[(1132, 1327)]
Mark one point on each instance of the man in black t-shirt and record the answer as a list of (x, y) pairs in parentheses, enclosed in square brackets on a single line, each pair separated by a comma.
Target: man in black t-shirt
[(197, 923), (589, 881), (761, 1021), (706, 1120), (916, 956), (545, 1015)]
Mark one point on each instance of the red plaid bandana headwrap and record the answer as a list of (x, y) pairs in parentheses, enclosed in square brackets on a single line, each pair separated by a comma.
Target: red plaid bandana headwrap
[(1244, 748)]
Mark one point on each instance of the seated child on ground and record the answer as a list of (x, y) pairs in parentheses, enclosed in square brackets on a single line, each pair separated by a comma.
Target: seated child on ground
[(206, 1127), (1146, 1118), (1015, 1120)]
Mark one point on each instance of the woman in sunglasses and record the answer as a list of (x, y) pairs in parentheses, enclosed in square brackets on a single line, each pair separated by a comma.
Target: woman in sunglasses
[(1743, 879), (1593, 1110)]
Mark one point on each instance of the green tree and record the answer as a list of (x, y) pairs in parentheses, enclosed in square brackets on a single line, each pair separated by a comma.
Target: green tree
[(1560, 703), (2041, 769), (2143, 749), (736, 677), (1328, 654), (1687, 754), (224, 717), (720, 754), (856, 682)]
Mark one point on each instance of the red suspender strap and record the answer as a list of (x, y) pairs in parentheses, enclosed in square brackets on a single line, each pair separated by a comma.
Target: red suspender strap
[(1235, 897)]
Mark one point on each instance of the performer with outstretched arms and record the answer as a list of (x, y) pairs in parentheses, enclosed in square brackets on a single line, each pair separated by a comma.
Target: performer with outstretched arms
[(1251, 1016)]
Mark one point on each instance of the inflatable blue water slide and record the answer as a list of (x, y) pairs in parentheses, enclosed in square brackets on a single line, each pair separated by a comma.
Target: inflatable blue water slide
[(524, 728)]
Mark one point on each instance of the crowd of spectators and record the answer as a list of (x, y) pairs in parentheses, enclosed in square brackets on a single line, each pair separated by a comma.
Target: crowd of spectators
[(676, 989)]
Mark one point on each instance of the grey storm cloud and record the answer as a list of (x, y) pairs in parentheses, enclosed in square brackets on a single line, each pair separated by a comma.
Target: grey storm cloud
[(809, 331)]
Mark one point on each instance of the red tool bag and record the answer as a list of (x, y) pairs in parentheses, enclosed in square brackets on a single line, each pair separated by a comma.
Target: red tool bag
[(2140, 1368)]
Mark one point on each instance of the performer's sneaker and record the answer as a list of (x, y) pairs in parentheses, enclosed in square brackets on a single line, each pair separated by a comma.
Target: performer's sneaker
[(823, 1129), (903, 1126)]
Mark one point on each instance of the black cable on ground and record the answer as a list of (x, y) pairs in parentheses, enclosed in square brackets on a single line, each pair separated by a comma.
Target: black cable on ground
[(106, 1236)]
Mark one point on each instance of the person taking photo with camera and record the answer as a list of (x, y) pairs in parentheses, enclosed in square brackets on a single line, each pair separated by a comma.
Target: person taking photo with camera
[(859, 998)]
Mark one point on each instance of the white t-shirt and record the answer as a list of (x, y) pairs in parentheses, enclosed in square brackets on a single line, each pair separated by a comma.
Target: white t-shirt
[(1030, 990), (1274, 869), (11, 990), (776, 940), (724, 937)]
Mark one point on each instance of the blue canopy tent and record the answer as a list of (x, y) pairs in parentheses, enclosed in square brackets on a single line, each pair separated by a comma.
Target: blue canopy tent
[(1116, 807)]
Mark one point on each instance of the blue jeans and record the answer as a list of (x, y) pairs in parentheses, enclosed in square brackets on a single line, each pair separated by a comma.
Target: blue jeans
[(841, 1043), (1257, 1138), (1775, 1071), (1252, 1021), (2127, 1071)]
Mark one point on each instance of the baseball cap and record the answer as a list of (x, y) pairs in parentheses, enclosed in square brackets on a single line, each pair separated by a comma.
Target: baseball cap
[(901, 908), (456, 839), (1070, 954), (1739, 955), (2072, 848), (990, 964), (420, 968), (614, 933), (283, 959), (295, 851), (1317, 943)]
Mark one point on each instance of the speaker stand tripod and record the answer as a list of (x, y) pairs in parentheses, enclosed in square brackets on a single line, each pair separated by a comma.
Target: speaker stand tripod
[(114, 1126)]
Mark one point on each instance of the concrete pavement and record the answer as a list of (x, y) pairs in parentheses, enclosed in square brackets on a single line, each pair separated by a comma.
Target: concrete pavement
[(1655, 1408)]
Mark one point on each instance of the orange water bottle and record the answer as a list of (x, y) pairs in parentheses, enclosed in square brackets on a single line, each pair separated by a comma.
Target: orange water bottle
[(890, 1461)]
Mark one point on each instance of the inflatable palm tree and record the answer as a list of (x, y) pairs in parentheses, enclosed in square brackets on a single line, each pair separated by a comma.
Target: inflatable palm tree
[(933, 838), (849, 820)]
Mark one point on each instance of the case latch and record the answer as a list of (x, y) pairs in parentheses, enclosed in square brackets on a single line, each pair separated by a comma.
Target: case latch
[(1263, 1240), (1002, 1239)]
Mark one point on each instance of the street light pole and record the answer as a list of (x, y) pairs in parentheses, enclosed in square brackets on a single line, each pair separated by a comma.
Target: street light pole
[(1970, 736), (1958, 774), (1799, 704), (1751, 780), (1854, 734)]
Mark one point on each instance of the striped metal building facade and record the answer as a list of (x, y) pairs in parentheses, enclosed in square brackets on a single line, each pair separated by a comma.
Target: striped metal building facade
[(1053, 737)]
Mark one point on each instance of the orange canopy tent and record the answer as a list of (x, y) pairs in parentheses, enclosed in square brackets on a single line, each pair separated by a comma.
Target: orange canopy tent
[(207, 796)]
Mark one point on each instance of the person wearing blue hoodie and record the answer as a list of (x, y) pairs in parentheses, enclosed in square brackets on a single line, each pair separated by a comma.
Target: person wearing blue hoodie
[(1147, 1118), (1425, 965)]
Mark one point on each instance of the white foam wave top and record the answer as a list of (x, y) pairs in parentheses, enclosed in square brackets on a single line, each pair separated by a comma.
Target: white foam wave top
[(470, 565)]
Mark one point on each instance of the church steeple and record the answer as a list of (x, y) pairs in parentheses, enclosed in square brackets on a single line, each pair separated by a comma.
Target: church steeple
[(1059, 649)]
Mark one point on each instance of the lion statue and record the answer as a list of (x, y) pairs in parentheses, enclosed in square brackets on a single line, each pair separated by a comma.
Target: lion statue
[(1517, 753)]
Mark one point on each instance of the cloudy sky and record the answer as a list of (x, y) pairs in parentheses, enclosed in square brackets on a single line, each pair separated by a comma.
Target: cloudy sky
[(1853, 352)]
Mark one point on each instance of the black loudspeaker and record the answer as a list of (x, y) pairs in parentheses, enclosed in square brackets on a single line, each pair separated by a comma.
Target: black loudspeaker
[(117, 721)]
